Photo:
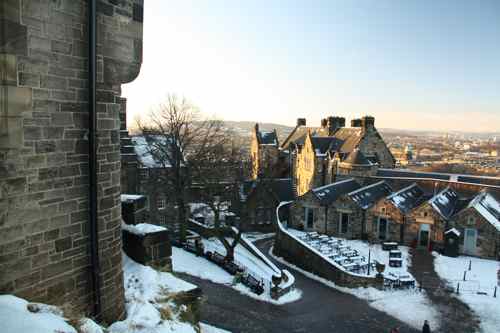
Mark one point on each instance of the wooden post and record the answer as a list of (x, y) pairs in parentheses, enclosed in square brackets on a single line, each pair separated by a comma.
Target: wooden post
[(495, 292), (464, 274), (470, 265), (458, 288)]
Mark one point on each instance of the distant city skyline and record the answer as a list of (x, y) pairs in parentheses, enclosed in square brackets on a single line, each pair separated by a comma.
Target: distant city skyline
[(411, 64)]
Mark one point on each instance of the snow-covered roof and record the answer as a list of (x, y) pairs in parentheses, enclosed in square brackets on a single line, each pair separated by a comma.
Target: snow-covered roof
[(130, 197), (445, 202), (486, 205), (453, 230), (408, 198), (368, 195), (142, 229), (145, 151), (329, 193)]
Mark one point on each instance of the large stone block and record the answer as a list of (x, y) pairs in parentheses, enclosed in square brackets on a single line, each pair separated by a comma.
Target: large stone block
[(13, 39)]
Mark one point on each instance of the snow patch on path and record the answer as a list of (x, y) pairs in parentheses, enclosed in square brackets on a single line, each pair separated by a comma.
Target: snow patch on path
[(186, 262)]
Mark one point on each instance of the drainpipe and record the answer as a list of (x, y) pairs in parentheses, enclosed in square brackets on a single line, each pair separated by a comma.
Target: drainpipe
[(94, 237)]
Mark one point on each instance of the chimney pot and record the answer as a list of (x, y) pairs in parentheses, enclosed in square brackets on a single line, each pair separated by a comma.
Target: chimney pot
[(301, 121)]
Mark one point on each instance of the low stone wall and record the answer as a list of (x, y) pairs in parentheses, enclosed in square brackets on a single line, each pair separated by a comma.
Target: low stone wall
[(152, 249), (293, 251)]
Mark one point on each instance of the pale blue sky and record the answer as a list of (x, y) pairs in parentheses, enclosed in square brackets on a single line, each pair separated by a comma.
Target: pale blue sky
[(411, 64)]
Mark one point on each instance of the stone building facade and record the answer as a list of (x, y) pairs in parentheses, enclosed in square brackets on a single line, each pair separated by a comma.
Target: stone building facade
[(479, 227), (264, 151), (44, 148)]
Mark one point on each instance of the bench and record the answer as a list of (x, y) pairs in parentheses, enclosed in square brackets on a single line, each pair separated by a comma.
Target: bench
[(255, 285), (395, 262), (216, 257), (388, 246), (395, 254), (231, 267)]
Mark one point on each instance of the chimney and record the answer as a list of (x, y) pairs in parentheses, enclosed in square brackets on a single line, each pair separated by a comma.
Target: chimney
[(301, 121), (256, 127), (356, 123), (368, 122), (334, 123), (324, 122)]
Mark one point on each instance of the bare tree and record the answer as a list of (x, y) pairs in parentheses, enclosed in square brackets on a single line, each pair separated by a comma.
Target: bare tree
[(218, 174), (176, 135)]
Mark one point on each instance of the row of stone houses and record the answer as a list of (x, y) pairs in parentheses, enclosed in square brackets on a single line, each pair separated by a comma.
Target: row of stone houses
[(409, 216)]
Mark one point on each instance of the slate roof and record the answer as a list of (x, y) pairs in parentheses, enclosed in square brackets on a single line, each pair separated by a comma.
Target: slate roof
[(331, 192), (282, 188), (449, 177), (324, 144), (267, 138), (299, 134), (408, 198), (356, 157), (446, 202), (486, 205), (350, 136), (367, 196)]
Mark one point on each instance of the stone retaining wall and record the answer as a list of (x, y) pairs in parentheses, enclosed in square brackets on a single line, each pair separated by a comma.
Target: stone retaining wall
[(293, 251), (152, 249)]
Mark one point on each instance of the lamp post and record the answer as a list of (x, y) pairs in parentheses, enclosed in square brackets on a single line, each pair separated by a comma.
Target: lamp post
[(369, 257)]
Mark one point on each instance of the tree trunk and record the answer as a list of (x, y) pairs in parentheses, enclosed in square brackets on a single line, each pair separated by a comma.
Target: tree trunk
[(181, 218)]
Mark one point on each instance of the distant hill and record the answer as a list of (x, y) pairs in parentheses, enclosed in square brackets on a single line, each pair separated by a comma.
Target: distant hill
[(245, 128)]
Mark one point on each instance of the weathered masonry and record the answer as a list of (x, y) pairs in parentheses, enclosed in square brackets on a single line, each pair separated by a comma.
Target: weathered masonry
[(45, 230)]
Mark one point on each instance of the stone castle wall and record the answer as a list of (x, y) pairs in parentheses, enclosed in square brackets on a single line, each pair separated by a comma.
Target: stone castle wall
[(44, 214)]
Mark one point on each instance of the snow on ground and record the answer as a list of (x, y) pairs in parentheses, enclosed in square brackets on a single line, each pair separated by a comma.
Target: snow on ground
[(256, 236), (482, 277), (149, 301), (205, 328), (18, 315), (410, 306), (15, 317), (186, 262)]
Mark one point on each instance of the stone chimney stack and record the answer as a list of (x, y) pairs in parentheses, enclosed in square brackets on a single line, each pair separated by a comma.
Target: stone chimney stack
[(356, 123), (324, 123), (301, 121), (368, 122), (256, 127), (334, 123)]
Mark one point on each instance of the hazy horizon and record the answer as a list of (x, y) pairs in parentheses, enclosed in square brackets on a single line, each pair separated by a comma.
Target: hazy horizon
[(417, 65)]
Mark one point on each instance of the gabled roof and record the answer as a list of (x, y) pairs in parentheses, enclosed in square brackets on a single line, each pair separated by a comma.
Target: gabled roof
[(366, 196), (408, 198), (356, 157), (350, 136), (267, 138), (298, 135), (445, 202), (486, 205), (331, 192), (324, 144), (149, 152)]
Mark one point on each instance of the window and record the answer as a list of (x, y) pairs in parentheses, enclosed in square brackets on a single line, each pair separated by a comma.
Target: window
[(426, 214), (160, 202), (163, 219), (309, 217), (471, 220), (382, 210), (344, 222), (144, 174)]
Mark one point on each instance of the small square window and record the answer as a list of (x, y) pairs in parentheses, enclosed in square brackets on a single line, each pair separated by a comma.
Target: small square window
[(160, 202)]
